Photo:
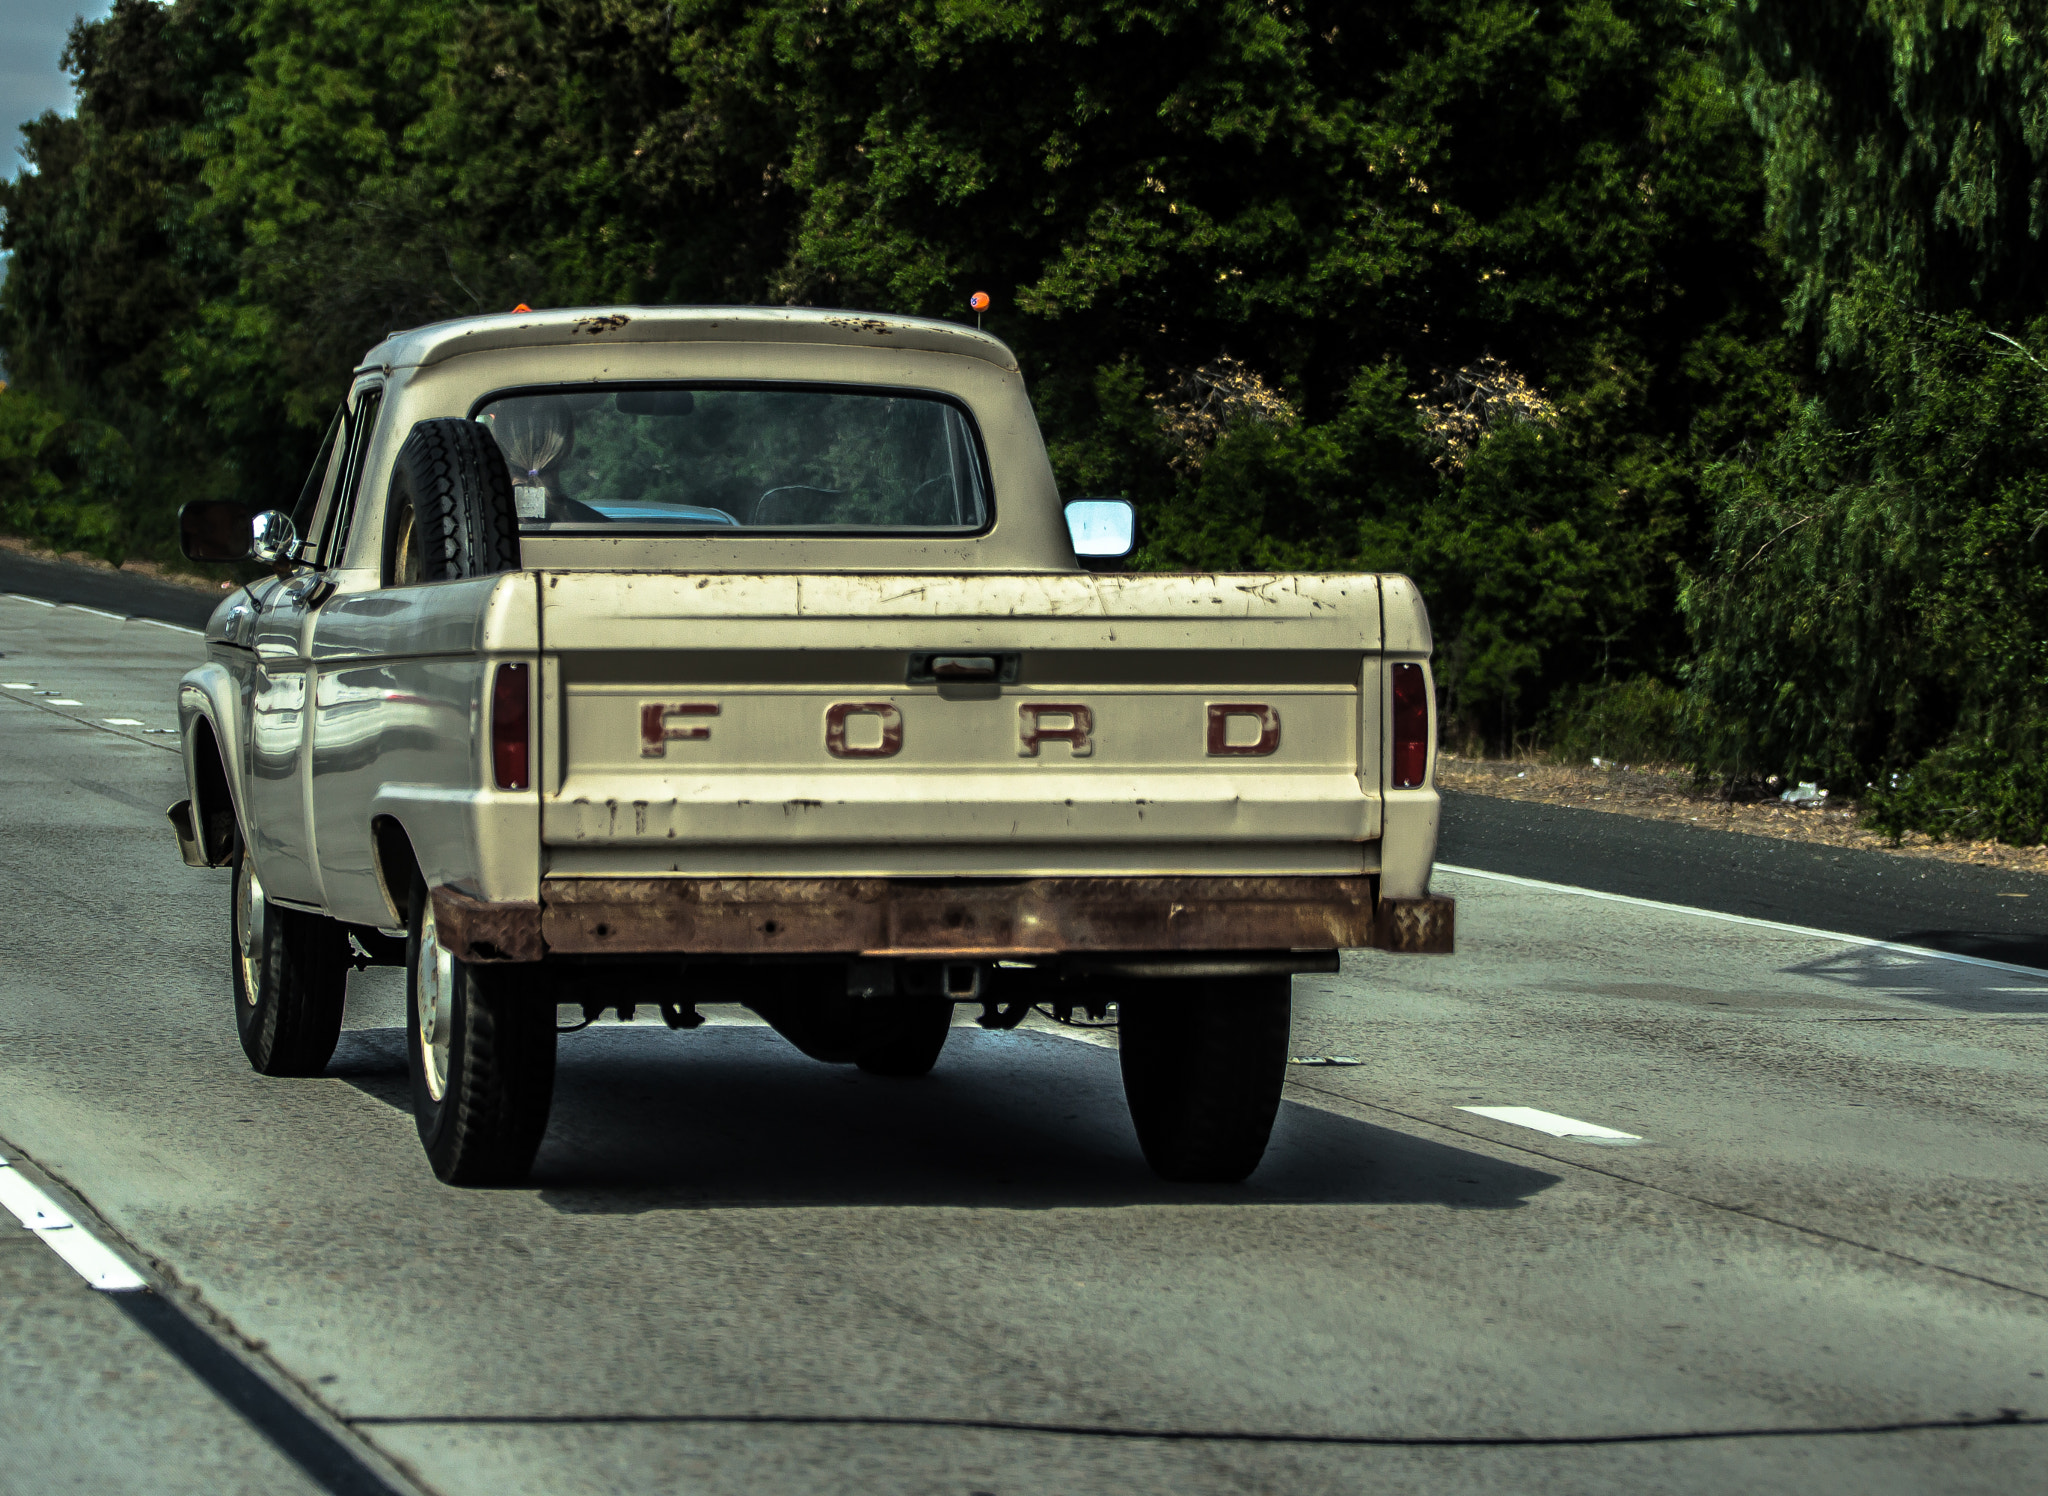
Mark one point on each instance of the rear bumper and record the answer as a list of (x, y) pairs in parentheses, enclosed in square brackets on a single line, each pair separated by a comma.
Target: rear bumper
[(959, 919)]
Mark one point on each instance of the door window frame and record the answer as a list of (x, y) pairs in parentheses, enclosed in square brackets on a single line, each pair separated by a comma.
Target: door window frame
[(365, 406)]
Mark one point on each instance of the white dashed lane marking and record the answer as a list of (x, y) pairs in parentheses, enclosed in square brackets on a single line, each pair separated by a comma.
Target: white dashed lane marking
[(87, 1255), (1552, 1123)]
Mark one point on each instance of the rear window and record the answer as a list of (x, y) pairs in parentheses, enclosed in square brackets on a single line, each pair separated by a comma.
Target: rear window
[(750, 457)]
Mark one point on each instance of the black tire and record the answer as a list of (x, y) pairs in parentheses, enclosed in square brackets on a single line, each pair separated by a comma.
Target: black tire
[(291, 977), (482, 1108), (902, 1036), (451, 513), (1203, 1063)]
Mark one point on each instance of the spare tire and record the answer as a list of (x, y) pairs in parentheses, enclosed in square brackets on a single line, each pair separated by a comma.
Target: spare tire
[(451, 513)]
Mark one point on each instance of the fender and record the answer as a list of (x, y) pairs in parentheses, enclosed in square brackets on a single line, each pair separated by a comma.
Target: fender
[(207, 696), (486, 842)]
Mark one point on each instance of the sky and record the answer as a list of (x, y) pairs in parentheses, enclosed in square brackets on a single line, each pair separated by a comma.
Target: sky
[(32, 33)]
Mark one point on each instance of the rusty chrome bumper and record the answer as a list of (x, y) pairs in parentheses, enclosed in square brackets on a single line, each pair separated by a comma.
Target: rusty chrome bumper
[(958, 919)]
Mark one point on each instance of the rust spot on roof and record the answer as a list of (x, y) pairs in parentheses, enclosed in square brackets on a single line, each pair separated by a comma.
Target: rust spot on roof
[(873, 325), (597, 326)]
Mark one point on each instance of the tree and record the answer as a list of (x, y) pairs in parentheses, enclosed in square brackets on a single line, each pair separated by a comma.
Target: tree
[(107, 271), (1907, 141), (1871, 609)]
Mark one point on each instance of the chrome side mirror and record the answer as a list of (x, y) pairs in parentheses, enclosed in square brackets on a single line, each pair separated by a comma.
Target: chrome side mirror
[(1102, 529), (273, 539)]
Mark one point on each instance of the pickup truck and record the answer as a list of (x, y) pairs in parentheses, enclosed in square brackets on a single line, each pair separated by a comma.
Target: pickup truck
[(656, 656)]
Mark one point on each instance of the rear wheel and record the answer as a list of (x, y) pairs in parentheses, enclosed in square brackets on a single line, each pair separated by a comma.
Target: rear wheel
[(902, 1036), (291, 976), (1203, 1063), (481, 1042)]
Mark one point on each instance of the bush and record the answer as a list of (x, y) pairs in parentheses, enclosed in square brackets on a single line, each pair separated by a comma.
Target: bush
[(1644, 720), (66, 483), (1972, 791), (1878, 600)]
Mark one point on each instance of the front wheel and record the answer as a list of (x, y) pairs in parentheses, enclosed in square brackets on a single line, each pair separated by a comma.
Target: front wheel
[(480, 1039), (1203, 1063), (291, 976)]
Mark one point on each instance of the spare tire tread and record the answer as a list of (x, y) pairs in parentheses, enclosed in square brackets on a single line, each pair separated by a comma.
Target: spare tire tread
[(452, 476)]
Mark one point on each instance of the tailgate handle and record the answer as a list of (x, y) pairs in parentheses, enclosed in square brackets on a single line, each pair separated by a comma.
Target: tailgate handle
[(933, 667)]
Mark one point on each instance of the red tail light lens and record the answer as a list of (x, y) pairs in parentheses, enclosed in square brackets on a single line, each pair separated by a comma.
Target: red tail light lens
[(511, 739), (1411, 727)]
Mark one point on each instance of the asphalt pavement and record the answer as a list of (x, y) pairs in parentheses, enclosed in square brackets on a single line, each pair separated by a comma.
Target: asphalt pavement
[(126, 593), (1949, 906), (1618, 1198)]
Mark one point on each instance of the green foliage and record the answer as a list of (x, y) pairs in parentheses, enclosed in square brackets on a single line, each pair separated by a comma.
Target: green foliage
[(1873, 608), (63, 482), (106, 273), (1968, 791), (1878, 592), (1639, 721), (1908, 138)]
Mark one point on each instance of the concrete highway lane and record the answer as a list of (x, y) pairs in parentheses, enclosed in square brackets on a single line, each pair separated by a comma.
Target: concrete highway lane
[(1739, 1208)]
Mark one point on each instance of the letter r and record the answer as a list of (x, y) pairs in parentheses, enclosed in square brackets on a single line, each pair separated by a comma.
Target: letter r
[(1031, 730)]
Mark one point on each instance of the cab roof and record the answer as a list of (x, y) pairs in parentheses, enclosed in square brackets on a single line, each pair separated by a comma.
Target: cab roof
[(567, 326)]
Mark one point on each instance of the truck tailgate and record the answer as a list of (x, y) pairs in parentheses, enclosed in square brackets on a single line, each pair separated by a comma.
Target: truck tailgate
[(756, 725)]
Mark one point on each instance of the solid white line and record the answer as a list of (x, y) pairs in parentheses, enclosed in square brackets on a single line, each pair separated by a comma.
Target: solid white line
[(88, 1256), (1743, 919), (40, 602), (176, 628), (96, 612), (94, 1261), (1552, 1123), (34, 1209)]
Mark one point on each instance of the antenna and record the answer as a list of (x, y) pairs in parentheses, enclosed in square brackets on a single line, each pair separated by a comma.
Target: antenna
[(978, 301)]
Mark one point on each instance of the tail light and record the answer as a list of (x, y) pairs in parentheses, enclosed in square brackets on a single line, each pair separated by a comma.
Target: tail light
[(1411, 727), (511, 738)]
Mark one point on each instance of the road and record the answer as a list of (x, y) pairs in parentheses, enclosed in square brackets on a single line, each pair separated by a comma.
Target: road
[(1822, 1268)]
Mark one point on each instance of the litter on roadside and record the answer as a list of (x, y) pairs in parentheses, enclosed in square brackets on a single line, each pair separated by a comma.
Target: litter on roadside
[(1323, 1059), (1806, 792)]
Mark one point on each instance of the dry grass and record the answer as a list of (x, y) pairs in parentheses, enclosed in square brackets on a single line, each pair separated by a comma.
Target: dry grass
[(1668, 794)]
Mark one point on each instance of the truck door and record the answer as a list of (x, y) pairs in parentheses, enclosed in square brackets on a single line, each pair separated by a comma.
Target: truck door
[(353, 699), (280, 723)]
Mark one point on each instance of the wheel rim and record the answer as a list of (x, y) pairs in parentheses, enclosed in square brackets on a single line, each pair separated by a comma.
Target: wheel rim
[(405, 566), (434, 992), (250, 911)]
